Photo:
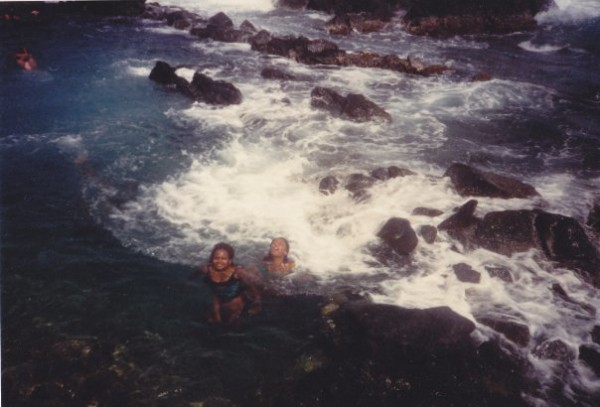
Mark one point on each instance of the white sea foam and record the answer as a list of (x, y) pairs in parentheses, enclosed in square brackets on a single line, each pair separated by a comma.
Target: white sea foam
[(570, 11), (210, 7), (543, 48)]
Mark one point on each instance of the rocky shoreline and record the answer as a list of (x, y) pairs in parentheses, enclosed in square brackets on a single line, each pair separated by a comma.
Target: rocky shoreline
[(354, 352)]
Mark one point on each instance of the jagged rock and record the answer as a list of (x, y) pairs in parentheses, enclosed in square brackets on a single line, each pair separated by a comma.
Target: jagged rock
[(313, 52), (469, 181), (399, 235), (466, 274), (328, 185), (344, 24), (274, 73), (559, 237), (429, 212), (202, 88), (591, 356), (507, 232), (221, 28), (593, 220), (554, 350), (428, 233), (214, 92), (354, 107), (163, 73), (444, 18), (515, 331), (462, 224)]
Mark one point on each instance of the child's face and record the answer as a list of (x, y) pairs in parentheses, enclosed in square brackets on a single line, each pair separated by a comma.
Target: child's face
[(221, 260), (278, 248)]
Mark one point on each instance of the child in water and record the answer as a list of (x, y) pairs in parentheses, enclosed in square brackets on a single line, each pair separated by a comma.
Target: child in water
[(276, 262), (228, 284)]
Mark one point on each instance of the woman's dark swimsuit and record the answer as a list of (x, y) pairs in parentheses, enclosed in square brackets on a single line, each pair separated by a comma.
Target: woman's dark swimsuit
[(225, 290)]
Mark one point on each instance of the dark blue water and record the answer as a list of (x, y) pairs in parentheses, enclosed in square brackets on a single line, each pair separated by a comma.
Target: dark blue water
[(82, 138)]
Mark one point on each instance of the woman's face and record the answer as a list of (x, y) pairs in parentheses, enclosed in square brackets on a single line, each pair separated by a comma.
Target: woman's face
[(278, 248), (221, 260)]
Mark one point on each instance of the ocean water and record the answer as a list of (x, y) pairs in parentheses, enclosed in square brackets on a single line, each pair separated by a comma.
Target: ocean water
[(114, 188)]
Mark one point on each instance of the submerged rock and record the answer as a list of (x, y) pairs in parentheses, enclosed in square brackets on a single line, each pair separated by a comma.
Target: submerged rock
[(328, 185), (354, 107), (554, 350), (399, 235), (466, 274)]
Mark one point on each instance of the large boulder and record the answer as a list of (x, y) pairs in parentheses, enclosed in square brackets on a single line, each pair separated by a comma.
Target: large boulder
[(354, 107), (221, 28), (202, 88), (469, 181), (163, 73), (390, 334), (446, 18), (214, 92), (398, 234), (559, 237)]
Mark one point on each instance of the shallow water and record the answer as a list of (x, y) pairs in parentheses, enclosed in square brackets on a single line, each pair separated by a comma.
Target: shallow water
[(113, 188)]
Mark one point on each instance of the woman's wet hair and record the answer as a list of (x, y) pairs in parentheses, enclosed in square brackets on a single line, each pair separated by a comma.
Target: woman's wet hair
[(268, 257), (222, 246)]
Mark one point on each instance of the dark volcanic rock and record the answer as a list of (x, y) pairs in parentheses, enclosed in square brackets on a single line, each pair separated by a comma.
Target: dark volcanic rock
[(591, 356), (163, 73), (354, 107), (469, 181), (358, 183), (328, 185), (462, 224), (214, 92), (501, 273), (391, 333), (344, 24), (428, 233), (274, 73), (593, 220), (554, 350), (466, 274), (446, 18), (202, 88), (507, 232), (515, 331), (399, 235), (596, 334)]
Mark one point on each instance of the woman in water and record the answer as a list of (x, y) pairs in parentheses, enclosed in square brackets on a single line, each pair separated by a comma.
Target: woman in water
[(228, 284), (276, 262)]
